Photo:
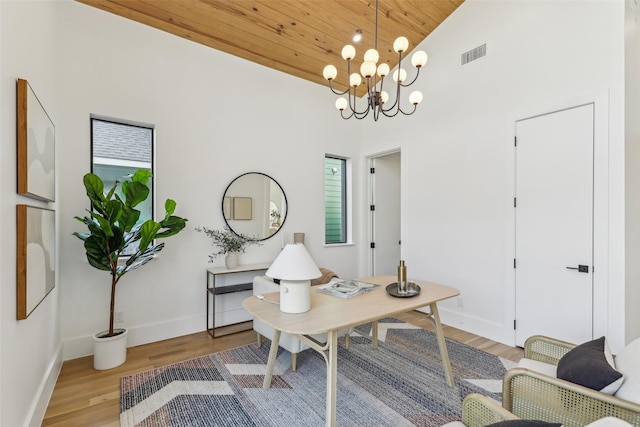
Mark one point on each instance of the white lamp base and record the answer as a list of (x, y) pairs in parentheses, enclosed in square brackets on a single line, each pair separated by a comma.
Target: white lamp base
[(295, 296)]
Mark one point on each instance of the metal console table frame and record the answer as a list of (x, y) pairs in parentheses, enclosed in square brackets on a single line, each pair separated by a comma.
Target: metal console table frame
[(212, 290)]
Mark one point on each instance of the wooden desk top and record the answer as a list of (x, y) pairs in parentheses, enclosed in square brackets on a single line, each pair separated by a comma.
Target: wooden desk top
[(330, 312)]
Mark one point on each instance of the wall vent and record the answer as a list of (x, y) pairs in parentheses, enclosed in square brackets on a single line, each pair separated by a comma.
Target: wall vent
[(473, 54)]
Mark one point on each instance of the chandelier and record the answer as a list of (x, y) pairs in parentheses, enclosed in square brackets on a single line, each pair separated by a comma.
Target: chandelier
[(374, 76)]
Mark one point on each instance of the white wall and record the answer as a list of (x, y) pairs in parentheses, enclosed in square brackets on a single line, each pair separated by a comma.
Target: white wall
[(216, 117), (30, 356), (632, 160), (458, 156)]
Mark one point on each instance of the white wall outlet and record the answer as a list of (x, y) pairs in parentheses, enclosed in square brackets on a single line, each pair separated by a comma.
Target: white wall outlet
[(460, 302), (119, 316)]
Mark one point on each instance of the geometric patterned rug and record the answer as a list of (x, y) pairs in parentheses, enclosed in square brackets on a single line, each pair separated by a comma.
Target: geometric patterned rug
[(399, 384)]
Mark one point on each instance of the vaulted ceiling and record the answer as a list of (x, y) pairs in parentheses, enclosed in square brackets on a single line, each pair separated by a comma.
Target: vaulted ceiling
[(298, 37)]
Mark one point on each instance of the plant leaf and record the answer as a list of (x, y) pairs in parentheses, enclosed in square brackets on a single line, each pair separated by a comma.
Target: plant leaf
[(135, 193), (142, 176), (94, 186), (169, 207), (148, 232)]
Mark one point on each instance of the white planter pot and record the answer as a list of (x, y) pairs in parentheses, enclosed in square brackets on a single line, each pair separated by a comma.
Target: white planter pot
[(231, 260), (109, 352)]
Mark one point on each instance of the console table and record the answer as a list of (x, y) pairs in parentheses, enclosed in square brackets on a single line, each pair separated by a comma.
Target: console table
[(213, 291)]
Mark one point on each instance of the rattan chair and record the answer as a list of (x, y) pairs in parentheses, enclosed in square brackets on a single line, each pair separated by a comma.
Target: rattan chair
[(533, 395), (478, 411)]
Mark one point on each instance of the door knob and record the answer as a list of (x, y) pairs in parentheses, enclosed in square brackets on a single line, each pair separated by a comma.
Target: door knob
[(581, 268)]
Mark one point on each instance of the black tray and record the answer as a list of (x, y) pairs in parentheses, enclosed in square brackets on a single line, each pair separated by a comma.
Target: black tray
[(392, 289)]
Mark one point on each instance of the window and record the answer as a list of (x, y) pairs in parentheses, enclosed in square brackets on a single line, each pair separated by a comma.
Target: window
[(118, 149), (335, 200)]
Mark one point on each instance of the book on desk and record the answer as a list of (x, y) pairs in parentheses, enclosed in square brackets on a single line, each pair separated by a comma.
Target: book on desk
[(345, 288)]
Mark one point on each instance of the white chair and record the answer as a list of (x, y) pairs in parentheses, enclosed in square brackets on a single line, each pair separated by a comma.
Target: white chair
[(264, 285)]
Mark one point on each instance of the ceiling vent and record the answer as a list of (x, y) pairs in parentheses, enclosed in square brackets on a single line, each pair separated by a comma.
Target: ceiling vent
[(473, 54)]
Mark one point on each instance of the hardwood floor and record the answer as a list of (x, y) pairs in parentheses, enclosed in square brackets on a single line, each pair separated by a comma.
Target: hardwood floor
[(85, 397)]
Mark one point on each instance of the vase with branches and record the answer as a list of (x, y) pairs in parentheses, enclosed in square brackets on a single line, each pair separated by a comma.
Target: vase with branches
[(228, 243)]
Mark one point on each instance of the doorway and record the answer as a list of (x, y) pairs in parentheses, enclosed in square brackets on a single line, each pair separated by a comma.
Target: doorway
[(554, 225), (385, 210)]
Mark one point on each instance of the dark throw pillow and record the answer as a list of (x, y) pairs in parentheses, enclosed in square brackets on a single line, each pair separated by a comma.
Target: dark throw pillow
[(524, 423), (587, 366)]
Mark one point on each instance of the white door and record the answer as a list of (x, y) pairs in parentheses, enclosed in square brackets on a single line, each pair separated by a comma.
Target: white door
[(385, 216), (554, 225)]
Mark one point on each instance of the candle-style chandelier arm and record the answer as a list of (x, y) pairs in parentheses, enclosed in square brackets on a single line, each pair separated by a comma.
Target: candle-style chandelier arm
[(412, 81), (353, 107), (335, 91)]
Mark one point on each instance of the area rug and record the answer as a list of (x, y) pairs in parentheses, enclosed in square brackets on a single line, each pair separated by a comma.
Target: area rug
[(399, 384)]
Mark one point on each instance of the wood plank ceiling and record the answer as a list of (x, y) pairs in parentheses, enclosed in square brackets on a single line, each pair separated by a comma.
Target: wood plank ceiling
[(298, 37)]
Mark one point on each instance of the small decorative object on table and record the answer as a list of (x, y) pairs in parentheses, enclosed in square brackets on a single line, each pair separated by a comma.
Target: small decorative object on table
[(403, 288), (229, 244), (402, 278)]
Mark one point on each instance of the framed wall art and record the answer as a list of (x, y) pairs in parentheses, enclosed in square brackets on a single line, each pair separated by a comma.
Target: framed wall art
[(242, 207), (36, 146), (36, 257)]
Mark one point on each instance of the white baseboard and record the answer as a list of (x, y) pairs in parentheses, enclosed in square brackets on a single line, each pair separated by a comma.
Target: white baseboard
[(498, 332), (42, 397), (144, 334)]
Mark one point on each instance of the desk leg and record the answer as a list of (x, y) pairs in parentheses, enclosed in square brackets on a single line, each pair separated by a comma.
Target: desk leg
[(374, 334), (271, 363), (444, 354), (332, 376)]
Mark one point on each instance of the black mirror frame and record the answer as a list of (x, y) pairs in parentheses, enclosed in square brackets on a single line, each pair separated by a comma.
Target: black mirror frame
[(283, 195)]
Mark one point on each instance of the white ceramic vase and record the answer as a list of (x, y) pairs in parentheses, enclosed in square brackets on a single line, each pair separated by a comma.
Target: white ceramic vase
[(231, 260), (109, 352)]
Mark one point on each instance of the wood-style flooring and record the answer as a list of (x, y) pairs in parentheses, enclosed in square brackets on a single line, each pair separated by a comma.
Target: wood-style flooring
[(84, 397)]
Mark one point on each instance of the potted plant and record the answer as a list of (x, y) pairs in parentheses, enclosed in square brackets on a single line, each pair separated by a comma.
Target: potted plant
[(229, 243), (116, 243)]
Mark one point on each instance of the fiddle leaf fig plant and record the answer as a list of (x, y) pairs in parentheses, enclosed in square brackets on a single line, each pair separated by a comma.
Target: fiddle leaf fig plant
[(115, 242)]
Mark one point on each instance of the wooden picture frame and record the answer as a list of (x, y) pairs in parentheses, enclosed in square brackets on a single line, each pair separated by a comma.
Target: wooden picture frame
[(36, 257), (242, 208), (36, 146)]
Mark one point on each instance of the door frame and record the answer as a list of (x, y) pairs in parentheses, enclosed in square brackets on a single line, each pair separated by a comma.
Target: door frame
[(368, 191), (601, 193)]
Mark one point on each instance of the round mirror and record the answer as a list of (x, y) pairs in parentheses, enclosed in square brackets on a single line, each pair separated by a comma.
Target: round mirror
[(254, 205)]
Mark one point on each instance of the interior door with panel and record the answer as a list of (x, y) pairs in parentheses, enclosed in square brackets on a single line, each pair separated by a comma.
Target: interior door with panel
[(554, 225), (385, 216)]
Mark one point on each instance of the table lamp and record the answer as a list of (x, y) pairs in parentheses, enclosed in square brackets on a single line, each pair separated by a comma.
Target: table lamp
[(295, 269)]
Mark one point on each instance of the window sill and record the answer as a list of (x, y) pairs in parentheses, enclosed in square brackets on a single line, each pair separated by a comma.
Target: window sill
[(338, 245)]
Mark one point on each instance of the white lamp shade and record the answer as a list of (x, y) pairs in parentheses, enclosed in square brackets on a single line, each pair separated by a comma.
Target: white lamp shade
[(384, 96), (401, 44), (399, 75), (383, 69), (294, 263), (419, 59), (330, 72), (355, 79), (415, 97), (368, 69), (372, 55), (348, 52), (341, 103)]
